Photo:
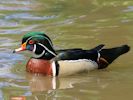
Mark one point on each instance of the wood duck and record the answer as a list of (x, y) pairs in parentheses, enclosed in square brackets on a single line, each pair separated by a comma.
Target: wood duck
[(47, 61)]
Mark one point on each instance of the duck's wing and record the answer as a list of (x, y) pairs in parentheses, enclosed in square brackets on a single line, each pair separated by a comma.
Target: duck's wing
[(78, 53), (65, 50)]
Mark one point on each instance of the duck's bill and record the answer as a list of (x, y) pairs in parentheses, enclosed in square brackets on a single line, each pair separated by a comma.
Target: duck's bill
[(22, 48), (18, 50)]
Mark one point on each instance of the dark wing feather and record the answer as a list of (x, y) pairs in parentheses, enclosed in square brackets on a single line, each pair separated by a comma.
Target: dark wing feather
[(64, 50), (99, 47), (78, 53), (75, 54)]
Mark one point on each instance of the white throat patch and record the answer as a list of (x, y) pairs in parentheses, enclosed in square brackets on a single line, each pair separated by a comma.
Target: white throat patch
[(47, 49), (37, 55), (40, 55)]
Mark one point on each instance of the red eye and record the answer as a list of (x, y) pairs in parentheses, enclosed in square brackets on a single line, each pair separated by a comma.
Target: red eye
[(31, 42)]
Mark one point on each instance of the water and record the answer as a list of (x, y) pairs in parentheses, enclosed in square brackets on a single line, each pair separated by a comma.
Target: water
[(75, 23)]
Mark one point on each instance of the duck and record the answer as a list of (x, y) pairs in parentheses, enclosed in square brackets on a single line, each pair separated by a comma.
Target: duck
[(50, 62)]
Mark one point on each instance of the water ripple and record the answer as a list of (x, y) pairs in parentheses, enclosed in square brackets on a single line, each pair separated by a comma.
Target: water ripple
[(9, 57), (8, 84), (24, 2), (7, 60), (129, 9), (1, 95), (4, 23), (27, 16), (5, 42), (18, 30), (15, 8)]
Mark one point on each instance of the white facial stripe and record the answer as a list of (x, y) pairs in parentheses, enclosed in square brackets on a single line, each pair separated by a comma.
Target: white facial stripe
[(49, 41), (40, 55), (34, 48), (29, 39), (35, 55), (38, 35), (47, 49)]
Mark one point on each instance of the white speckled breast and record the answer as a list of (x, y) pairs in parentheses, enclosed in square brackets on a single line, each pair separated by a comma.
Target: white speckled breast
[(69, 67)]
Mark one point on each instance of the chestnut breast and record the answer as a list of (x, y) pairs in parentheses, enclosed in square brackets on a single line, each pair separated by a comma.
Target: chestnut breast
[(39, 66)]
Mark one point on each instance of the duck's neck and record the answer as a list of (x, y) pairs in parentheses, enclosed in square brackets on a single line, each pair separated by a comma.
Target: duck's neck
[(45, 56)]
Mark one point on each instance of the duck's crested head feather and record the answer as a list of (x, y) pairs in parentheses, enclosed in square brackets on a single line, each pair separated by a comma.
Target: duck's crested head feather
[(39, 43)]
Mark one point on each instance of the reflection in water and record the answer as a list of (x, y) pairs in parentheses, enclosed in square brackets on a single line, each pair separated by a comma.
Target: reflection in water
[(59, 87), (44, 83), (47, 87)]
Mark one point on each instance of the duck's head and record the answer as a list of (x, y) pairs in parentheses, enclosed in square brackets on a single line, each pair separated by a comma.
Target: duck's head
[(39, 43)]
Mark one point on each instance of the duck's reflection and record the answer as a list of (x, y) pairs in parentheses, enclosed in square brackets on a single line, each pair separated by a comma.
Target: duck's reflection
[(43, 83)]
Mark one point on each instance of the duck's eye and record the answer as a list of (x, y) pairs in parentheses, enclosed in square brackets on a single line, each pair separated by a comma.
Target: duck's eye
[(31, 42)]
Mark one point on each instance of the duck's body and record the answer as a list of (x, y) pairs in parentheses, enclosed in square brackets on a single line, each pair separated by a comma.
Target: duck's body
[(47, 61), (63, 68), (76, 66), (67, 62)]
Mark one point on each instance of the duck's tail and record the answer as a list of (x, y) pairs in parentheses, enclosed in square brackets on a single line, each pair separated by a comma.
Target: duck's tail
[(107, 56)]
